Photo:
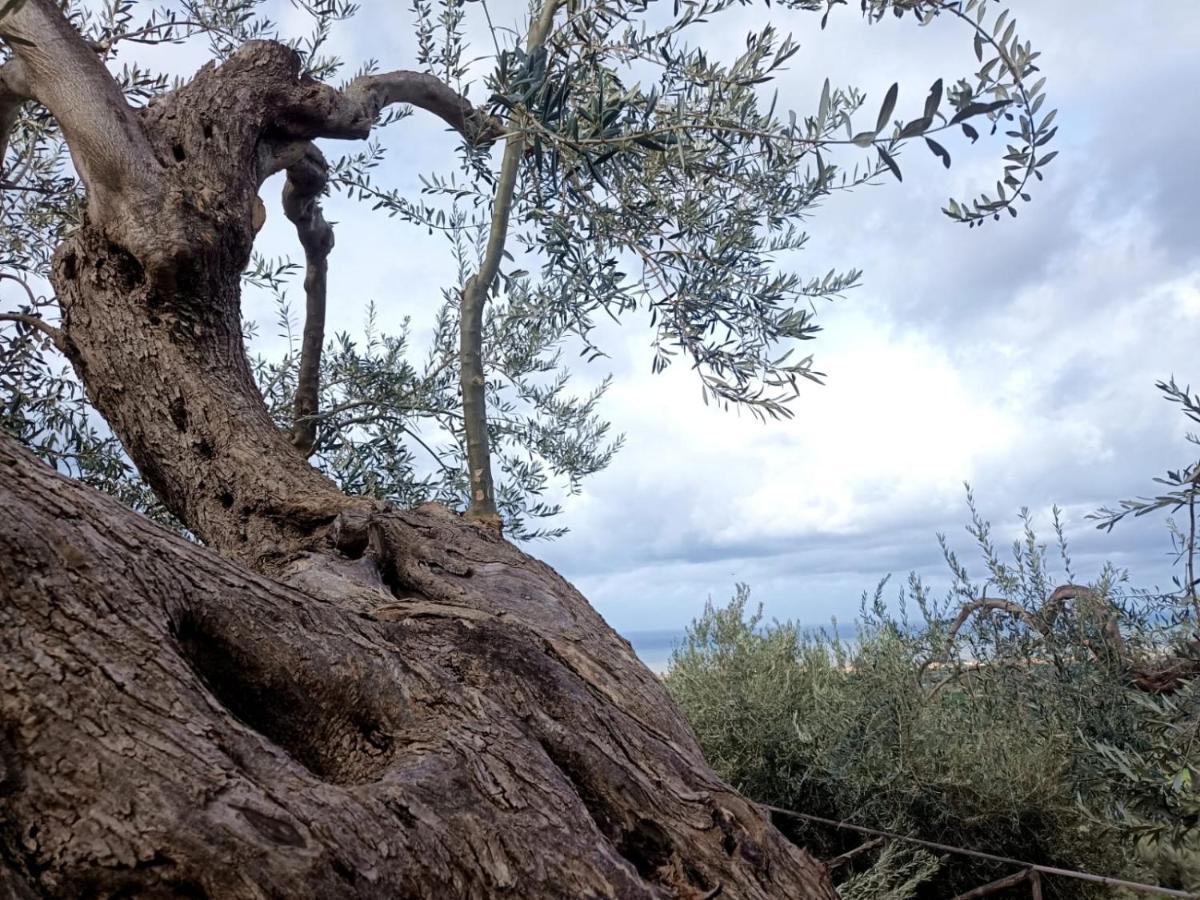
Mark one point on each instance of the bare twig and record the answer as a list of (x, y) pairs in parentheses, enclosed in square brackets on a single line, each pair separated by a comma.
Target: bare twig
[(306, 179), (433, 453), (843, 858), (995, 887), (140, 35), (5, 276)]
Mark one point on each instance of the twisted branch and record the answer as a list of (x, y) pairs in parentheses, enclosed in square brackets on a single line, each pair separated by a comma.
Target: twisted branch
[(306, 180), (318, 110), (430, 94), (1157, 676)]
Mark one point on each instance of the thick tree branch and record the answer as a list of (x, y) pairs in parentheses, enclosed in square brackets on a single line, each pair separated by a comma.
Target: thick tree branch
[(14, 91), (38, 324), (312, 109), (306, 180), (109, 148), (430, 94)]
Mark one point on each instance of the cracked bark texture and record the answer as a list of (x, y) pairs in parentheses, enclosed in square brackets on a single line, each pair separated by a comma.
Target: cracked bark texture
[(332, 698), (172, 724)]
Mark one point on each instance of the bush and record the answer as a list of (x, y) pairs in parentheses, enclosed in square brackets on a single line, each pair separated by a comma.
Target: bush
[(1017, 733)]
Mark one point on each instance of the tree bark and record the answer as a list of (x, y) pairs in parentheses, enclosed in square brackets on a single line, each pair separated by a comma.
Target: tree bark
[(332, 698), (174, 725)]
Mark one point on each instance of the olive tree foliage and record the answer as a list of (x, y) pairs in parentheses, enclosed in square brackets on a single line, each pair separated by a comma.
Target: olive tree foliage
[(639, 175), (1152, 789)]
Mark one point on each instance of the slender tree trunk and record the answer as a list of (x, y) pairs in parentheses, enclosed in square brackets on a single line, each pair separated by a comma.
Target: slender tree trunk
[(332, 698), (474, 299)]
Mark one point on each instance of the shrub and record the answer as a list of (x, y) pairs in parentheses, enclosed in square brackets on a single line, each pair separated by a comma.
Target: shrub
[(1007, 732)]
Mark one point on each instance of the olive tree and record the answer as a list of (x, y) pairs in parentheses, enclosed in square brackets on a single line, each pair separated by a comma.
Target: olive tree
[(315, 691)]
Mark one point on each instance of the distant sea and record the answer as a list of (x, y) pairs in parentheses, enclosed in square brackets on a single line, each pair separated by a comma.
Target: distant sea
[(655, 647)]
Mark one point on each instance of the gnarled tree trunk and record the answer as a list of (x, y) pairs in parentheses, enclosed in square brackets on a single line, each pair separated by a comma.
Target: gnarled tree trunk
[(172, 724), (333, 698)]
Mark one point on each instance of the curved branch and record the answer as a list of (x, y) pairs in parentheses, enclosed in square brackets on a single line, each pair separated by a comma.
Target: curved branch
[(430, 94), (306, 180), (14, 91), (989, 604), (995, 604), (1162, 675), (318, 110)]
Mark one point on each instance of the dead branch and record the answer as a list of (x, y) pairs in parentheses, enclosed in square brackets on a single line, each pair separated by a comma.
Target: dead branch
[(840, 860), (994, 887), (1165, 676)]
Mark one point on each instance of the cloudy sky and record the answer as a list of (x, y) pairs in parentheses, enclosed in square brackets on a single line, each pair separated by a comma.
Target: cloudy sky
[(1021, 358)]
